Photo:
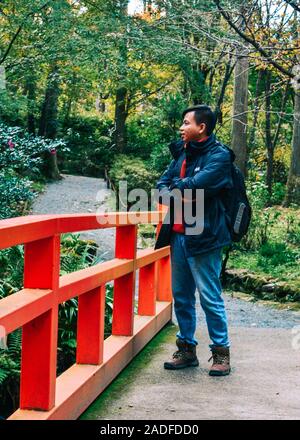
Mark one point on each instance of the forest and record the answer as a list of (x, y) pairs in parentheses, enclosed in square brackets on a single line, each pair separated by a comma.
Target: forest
[(97, 88)]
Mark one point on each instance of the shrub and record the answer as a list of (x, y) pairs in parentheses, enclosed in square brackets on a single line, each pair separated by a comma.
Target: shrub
[(278, 193), (274, 254), (20, 161), (89, 146), (262, 218), (135, 172), (293, 229), (22, 151)]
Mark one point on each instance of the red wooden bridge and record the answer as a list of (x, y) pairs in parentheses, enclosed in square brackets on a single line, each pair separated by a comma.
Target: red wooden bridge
[(35, 308)]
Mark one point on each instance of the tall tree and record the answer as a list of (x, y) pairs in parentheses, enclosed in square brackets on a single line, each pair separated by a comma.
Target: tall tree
[(121, 99), (240, 106), (48, 119)]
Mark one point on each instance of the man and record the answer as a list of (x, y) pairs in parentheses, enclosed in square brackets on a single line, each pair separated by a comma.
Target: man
[(199, 162)]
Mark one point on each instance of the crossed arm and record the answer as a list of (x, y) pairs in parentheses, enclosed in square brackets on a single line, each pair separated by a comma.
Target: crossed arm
[(213, 177)]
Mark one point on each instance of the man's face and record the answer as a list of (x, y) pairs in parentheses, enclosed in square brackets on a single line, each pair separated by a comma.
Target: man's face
[(189, 130)]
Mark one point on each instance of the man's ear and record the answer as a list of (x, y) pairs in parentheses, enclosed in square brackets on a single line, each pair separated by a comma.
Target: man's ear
[(202, 128)]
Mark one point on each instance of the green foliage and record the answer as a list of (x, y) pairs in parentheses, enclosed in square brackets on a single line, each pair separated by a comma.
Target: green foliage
[(22, 151), (135, 172), (89, 143), (263, 219), (293, 229), (275, 254), (20, 161), (11, 270), (10, 365), (278, 193), (13, 191), (150, 132), (12, 110), (160, 158)]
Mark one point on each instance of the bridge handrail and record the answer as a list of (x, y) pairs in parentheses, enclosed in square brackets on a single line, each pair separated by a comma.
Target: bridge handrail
[(35, 307)]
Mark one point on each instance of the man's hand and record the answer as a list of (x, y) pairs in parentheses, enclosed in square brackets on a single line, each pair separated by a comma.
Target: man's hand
[(177, 182)]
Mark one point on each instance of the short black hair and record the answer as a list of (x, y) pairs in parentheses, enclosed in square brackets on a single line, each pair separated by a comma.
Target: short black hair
[(203, 114)]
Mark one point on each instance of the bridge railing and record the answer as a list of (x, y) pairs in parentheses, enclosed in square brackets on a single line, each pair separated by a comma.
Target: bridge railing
[(35, 308)]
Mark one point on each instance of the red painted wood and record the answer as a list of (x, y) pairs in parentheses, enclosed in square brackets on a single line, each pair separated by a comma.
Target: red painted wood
[(164, 289), (90, 327), (35, 308), (124, 287), (41, 263), (38, 362), (23, 306), (39, 336), (147, 290), (126, 237)]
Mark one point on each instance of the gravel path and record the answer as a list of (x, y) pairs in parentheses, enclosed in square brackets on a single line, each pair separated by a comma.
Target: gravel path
[(242, 313), (75, 194), (79, 194)]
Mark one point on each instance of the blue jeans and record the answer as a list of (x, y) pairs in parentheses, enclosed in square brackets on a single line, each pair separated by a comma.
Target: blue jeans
[(202, 272)]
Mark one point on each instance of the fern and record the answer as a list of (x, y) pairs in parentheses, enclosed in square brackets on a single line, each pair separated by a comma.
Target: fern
[(3, 376), (14, 343)]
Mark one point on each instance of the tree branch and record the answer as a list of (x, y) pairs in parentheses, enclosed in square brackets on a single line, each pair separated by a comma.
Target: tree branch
[(293, 4), (252, 42), (134, 103), (19, 30)]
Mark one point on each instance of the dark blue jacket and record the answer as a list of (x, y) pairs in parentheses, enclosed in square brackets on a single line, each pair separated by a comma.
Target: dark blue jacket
[(208, 167)]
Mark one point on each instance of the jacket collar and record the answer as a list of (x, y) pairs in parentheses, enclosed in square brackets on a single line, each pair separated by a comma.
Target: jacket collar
[(195, 148)]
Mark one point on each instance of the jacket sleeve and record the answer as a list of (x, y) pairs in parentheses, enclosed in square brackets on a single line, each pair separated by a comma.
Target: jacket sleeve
[(213, 177), (164, 182)]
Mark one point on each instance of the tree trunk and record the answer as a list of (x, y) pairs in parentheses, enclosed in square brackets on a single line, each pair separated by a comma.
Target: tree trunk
[(121, 102), (293, 183), (252, 131), (269, 143), (227, 75), (48, 120), (31, 96), (120, 119), (240, 109)]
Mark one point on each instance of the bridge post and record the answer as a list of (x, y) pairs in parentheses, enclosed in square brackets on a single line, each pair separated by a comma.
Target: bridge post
[(124, 287), (164, 290), (147, 290), (90, 327), (39, 336)]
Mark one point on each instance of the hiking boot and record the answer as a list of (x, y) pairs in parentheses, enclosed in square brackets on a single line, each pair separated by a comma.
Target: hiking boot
[(184, 357), (221, 361)]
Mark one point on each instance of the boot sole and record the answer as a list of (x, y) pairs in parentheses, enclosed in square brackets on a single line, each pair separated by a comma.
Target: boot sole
[(168, 366), (219, 373)]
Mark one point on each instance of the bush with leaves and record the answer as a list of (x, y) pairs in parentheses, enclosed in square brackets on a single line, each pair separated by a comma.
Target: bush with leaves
[(275, 254), (262, 218), (89, 144), (10, 366), (293, 229), (20, 161), (136, 173), (22, 151)]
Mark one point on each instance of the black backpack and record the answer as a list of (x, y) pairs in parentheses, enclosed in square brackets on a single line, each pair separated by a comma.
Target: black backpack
[(236, 203)]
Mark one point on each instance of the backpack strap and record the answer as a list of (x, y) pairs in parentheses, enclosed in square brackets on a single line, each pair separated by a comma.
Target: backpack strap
[(223, 274)]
